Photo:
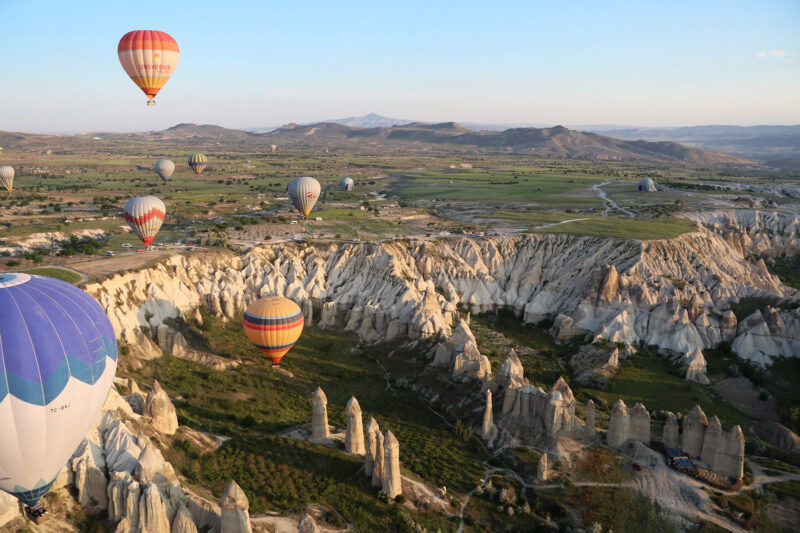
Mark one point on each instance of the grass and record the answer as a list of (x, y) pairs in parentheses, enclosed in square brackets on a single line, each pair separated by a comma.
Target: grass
[(658, 384), (787, 269), (59, 273), (625, 228), (618, 508), (749, 305), (254, 403)]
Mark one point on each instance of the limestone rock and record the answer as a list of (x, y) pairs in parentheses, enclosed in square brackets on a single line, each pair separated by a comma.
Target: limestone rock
[(447, 351), (320, 431), (618, 426), (379, 465), (392, 478), (234, 506), (307, 524), (471, 364), (511, 372), (152, 468), (91, 484), (9, 508), (159, 410), (529, 412), (487, 428), (371, 451), (152, 513), (696, 367), (543, 468), (671, 438), (639, 423), (588, 428), (712, 441), (183, 521), (354, 437), (694, 428)]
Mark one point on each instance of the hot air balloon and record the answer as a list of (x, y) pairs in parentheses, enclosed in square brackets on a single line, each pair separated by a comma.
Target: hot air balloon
[(7, 177), (144, 215), (304, 193), (197, 162), (58, 357), (164, 168), (346, 184), (149, 57), (273, 324)]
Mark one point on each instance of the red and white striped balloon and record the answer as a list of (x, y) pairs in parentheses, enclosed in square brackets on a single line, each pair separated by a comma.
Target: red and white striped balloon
[(144, 215)]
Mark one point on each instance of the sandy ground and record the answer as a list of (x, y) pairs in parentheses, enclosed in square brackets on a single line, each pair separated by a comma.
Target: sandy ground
[(96, 268)]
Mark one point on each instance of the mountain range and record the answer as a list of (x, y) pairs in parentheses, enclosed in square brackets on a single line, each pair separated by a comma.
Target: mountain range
[(557, 141)]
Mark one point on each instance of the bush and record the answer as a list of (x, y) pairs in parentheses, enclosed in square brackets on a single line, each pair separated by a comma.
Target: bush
[(12, 263), (763, 396)]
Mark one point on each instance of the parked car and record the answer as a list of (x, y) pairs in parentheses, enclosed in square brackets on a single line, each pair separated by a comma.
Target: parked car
[(110, 253), (127, 245)]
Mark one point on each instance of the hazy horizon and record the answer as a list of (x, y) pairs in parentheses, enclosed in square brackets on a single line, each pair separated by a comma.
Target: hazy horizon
[(254, 66)]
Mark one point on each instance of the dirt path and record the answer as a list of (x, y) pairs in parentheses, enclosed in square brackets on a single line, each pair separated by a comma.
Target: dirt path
[(96, 268), (611, 204)]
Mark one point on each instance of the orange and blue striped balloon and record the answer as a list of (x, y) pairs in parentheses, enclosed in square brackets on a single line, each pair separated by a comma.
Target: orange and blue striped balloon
[(273, 324), (197, 162)]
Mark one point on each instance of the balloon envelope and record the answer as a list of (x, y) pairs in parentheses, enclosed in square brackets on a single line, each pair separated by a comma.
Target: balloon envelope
[(304, 193), (346, 184), (273, 324), (7, 177), (197, 162), (164, 168), (149, 57), (58, 357), (144, 215)]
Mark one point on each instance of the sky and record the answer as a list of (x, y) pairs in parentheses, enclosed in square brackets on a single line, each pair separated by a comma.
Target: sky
[(263, 63)]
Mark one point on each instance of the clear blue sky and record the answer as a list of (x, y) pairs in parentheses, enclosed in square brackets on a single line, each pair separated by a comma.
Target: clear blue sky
[(259, 63)]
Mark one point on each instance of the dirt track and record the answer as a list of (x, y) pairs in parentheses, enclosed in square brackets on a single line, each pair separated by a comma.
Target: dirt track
[(96, 268)]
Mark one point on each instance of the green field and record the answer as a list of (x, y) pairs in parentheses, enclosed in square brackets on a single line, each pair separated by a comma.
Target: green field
[(59, 273)]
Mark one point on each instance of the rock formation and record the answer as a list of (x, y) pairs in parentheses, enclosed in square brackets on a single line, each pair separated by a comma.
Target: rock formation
[(320, 431), (379, 461), (487, 428), (392, 478), (529, 412), (543, 468), (471, 364), (712, 440), (234, 507), (636, 298), (510, 374), (159, 410), (696, 367), (183, 521), (372, 446), (354, 436), (588, 428), (152, 512), (694, 428), (639, 423), (618, 429), (447, 351), (671, 438), (307, 524)]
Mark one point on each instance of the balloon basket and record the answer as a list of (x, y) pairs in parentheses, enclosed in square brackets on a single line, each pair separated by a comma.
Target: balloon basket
[(151, 102), (37, 514)]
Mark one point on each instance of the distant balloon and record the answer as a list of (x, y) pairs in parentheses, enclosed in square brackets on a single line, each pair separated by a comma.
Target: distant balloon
[(149, 57), (273, 324), (58, 357), (144, 215), (346, 184), (165, 168), (7, 177), (304, 193), (197, 162)]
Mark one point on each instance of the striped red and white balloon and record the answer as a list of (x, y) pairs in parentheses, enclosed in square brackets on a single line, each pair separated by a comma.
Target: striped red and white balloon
[(144, 215), (149, 57)]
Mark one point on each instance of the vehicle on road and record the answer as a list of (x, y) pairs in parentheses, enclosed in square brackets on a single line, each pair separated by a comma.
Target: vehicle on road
[(127, 245), (110, 253)]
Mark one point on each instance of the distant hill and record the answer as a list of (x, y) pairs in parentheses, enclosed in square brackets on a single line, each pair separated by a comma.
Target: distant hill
[(555, 142), (757, 142)]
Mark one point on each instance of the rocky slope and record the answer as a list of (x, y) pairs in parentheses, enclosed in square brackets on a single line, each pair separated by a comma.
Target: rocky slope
[(675, 294)]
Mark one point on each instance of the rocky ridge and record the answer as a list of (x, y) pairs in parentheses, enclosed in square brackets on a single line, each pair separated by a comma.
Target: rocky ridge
[(621, 290)]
